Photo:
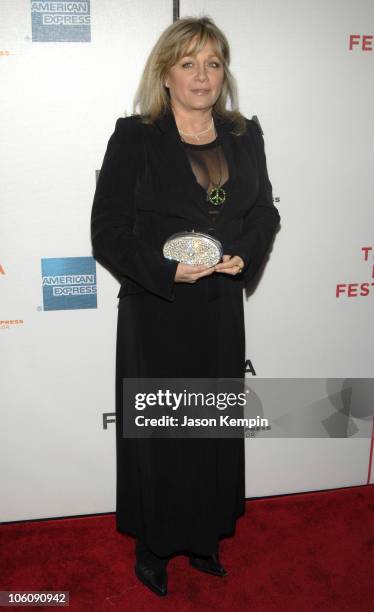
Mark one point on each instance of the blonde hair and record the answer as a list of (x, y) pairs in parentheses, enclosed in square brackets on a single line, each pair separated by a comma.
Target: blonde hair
[(152, 98)]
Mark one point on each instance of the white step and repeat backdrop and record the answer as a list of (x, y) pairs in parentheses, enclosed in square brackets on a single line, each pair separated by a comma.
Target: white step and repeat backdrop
[(68, 70)]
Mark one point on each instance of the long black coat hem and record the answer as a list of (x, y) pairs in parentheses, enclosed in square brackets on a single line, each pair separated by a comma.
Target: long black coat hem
[(185, 549)]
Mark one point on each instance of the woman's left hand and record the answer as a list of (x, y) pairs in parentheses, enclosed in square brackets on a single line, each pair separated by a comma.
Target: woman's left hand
[(230, 265)]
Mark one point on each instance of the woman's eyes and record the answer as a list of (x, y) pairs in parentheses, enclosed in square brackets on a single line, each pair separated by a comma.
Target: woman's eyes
[(189, 64)]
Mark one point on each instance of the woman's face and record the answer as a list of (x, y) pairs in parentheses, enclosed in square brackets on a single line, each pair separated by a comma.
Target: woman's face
[(195, 82)]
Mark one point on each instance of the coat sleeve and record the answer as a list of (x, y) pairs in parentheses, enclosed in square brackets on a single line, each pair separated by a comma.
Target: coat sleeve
[(262, 220), (113, 215)]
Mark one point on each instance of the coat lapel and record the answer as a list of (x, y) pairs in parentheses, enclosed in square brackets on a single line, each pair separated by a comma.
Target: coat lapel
[(178, 161)]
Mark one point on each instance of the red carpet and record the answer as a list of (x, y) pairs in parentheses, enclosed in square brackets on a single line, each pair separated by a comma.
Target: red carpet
[(312, 551)]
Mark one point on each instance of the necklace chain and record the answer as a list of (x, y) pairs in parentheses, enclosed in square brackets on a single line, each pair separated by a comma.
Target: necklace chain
[(197, 134)]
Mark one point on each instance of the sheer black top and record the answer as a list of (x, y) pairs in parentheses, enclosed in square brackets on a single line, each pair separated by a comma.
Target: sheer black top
[(210, 168)]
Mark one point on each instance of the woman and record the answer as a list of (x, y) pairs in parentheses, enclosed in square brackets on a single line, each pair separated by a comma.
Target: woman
[(184, 162)]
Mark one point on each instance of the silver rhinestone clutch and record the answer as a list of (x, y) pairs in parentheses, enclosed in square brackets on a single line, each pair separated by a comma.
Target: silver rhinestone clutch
[(193, 248)]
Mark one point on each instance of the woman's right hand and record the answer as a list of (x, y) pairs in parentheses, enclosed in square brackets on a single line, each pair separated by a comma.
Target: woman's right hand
[(186, 273)]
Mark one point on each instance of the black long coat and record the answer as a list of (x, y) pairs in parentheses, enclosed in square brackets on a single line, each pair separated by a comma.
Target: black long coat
[(178, 494)]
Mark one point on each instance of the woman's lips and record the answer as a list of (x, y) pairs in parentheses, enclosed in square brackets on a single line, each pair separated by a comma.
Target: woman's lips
[(200, 92)]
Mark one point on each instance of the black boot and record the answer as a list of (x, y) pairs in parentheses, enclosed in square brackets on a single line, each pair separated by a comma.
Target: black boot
[(151, 569), (209, 564)]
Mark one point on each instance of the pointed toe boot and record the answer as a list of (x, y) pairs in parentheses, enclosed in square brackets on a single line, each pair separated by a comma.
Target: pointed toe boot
[(210, 565), (155, 579)]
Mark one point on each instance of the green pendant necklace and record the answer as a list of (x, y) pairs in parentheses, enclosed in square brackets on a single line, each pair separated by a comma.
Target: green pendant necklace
[(217, 194)]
